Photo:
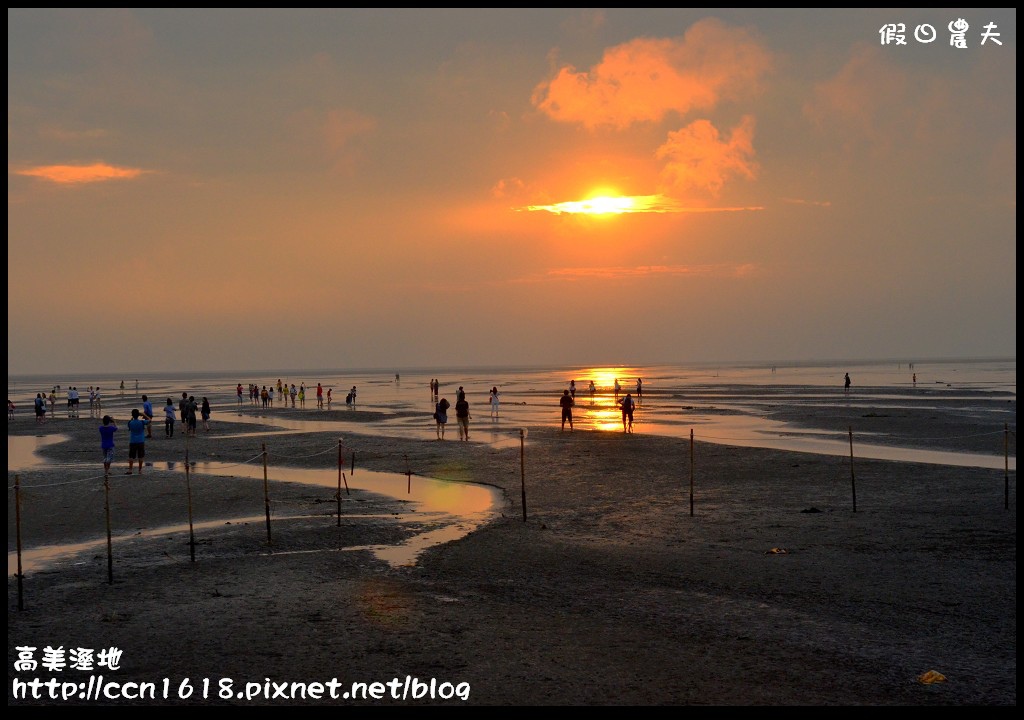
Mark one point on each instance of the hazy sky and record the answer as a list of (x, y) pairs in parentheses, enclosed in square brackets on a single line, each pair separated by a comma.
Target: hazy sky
[(259, 189)]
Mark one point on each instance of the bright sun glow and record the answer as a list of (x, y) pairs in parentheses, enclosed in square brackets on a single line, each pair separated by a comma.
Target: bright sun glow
[(597, 205), (610, 204)]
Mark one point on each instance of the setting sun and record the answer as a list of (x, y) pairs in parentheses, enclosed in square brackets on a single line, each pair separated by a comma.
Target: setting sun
[(607, 205)]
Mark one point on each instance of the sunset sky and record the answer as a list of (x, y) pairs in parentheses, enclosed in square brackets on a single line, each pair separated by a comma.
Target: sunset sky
[(262, 189)]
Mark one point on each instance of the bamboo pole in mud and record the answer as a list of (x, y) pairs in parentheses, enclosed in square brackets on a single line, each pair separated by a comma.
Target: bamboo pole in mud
[(341, 473), (522, 466), (853, 480), (17, 523), (266, 493), (352, 470), (338, 494), (691, 472), (106, 508), (188, 487), (1006, 465)]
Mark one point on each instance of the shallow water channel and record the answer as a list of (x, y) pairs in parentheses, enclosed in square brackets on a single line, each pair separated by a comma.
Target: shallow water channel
[(452, 510)]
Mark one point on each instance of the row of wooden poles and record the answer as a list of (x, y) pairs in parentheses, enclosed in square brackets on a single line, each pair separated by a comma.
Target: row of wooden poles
[(343, 480)]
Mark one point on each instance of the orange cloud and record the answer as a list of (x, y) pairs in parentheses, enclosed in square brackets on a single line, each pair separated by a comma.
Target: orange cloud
[(77, 174), (698, 159), (332, 137), (644, 79), (799, 201), (859, 100), (507, 187)]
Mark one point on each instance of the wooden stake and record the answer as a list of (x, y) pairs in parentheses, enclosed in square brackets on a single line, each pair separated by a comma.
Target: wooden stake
[(853, 480), (266, 493), (691, 472), (110, 548), (522, 466), (17, 523), (188, 487)]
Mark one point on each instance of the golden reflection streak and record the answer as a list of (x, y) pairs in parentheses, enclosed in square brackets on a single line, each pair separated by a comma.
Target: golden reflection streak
[(602, 412)]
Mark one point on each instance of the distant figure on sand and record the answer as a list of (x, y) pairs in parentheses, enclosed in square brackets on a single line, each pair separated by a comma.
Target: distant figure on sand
[(628, 406), (462, 416), (639, 389), (205, 413), (618, 388), (593, 389), (107, 430), (441, 416), (494, 401), (319, 396), (566, 402), (572, 389), (846, 383), (293, 392)]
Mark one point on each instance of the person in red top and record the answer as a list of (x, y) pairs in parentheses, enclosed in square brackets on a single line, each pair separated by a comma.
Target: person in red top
[(319, 396)]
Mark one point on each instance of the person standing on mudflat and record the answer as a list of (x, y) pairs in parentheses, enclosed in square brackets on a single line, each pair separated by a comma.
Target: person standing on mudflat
[(462, 416), (169, 418), (107, 430), (441, 416), (147, 412), (628, 406), (566, 402), (136, 440)]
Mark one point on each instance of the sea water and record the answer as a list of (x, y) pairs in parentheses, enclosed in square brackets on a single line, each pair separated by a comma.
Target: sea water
[(736, 404)]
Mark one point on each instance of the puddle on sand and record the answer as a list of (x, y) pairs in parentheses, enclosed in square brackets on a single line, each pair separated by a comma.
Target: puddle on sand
[(453, 510)]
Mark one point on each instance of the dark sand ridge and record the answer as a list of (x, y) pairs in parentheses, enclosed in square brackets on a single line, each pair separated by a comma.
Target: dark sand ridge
[(609, 593)]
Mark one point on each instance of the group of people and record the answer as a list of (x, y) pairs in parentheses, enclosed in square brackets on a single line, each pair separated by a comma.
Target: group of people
[(140, 427), (265, 396), (46, 403), (462, 416), (627, 404), (567, 401)]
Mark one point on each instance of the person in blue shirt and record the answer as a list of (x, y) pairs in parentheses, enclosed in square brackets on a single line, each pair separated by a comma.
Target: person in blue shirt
[(107, 430), (136, 440), (147, 412)]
